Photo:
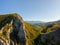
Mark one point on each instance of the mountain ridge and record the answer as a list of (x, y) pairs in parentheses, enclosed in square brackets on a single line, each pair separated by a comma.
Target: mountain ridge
[(15, 31)]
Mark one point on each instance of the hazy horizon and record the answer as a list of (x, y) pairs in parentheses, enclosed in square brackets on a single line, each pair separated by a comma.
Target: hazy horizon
[(32, 10)]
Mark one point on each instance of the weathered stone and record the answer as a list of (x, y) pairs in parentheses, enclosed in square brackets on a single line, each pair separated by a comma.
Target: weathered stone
[(13, 30)]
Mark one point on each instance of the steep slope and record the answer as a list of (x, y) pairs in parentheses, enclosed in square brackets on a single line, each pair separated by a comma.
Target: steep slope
[(31, 32), (12, 30)]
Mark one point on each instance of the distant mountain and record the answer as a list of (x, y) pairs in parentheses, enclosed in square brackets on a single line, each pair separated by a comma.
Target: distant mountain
[(36, 23)]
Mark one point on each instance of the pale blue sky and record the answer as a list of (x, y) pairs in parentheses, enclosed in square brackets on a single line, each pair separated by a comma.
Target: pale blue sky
[(40, 10)]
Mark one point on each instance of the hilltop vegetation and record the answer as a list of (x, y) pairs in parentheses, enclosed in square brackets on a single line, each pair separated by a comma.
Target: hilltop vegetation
[(31, 32)]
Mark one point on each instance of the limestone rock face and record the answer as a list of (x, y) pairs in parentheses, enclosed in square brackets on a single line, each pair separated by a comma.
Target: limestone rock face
[(12, 31)]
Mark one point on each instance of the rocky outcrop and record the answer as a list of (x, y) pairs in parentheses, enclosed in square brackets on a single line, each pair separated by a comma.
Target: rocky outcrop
[(12, 31), (52, 38)]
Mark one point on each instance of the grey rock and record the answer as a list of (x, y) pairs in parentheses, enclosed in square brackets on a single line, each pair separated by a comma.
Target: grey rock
[(16, 36)]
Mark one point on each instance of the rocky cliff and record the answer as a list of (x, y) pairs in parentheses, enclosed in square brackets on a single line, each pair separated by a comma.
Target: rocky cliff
[(12, 31)]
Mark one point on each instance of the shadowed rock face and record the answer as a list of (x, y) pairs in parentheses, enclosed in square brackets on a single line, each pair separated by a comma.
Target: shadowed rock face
[(52, 38), (18, 34), (12, 31)]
